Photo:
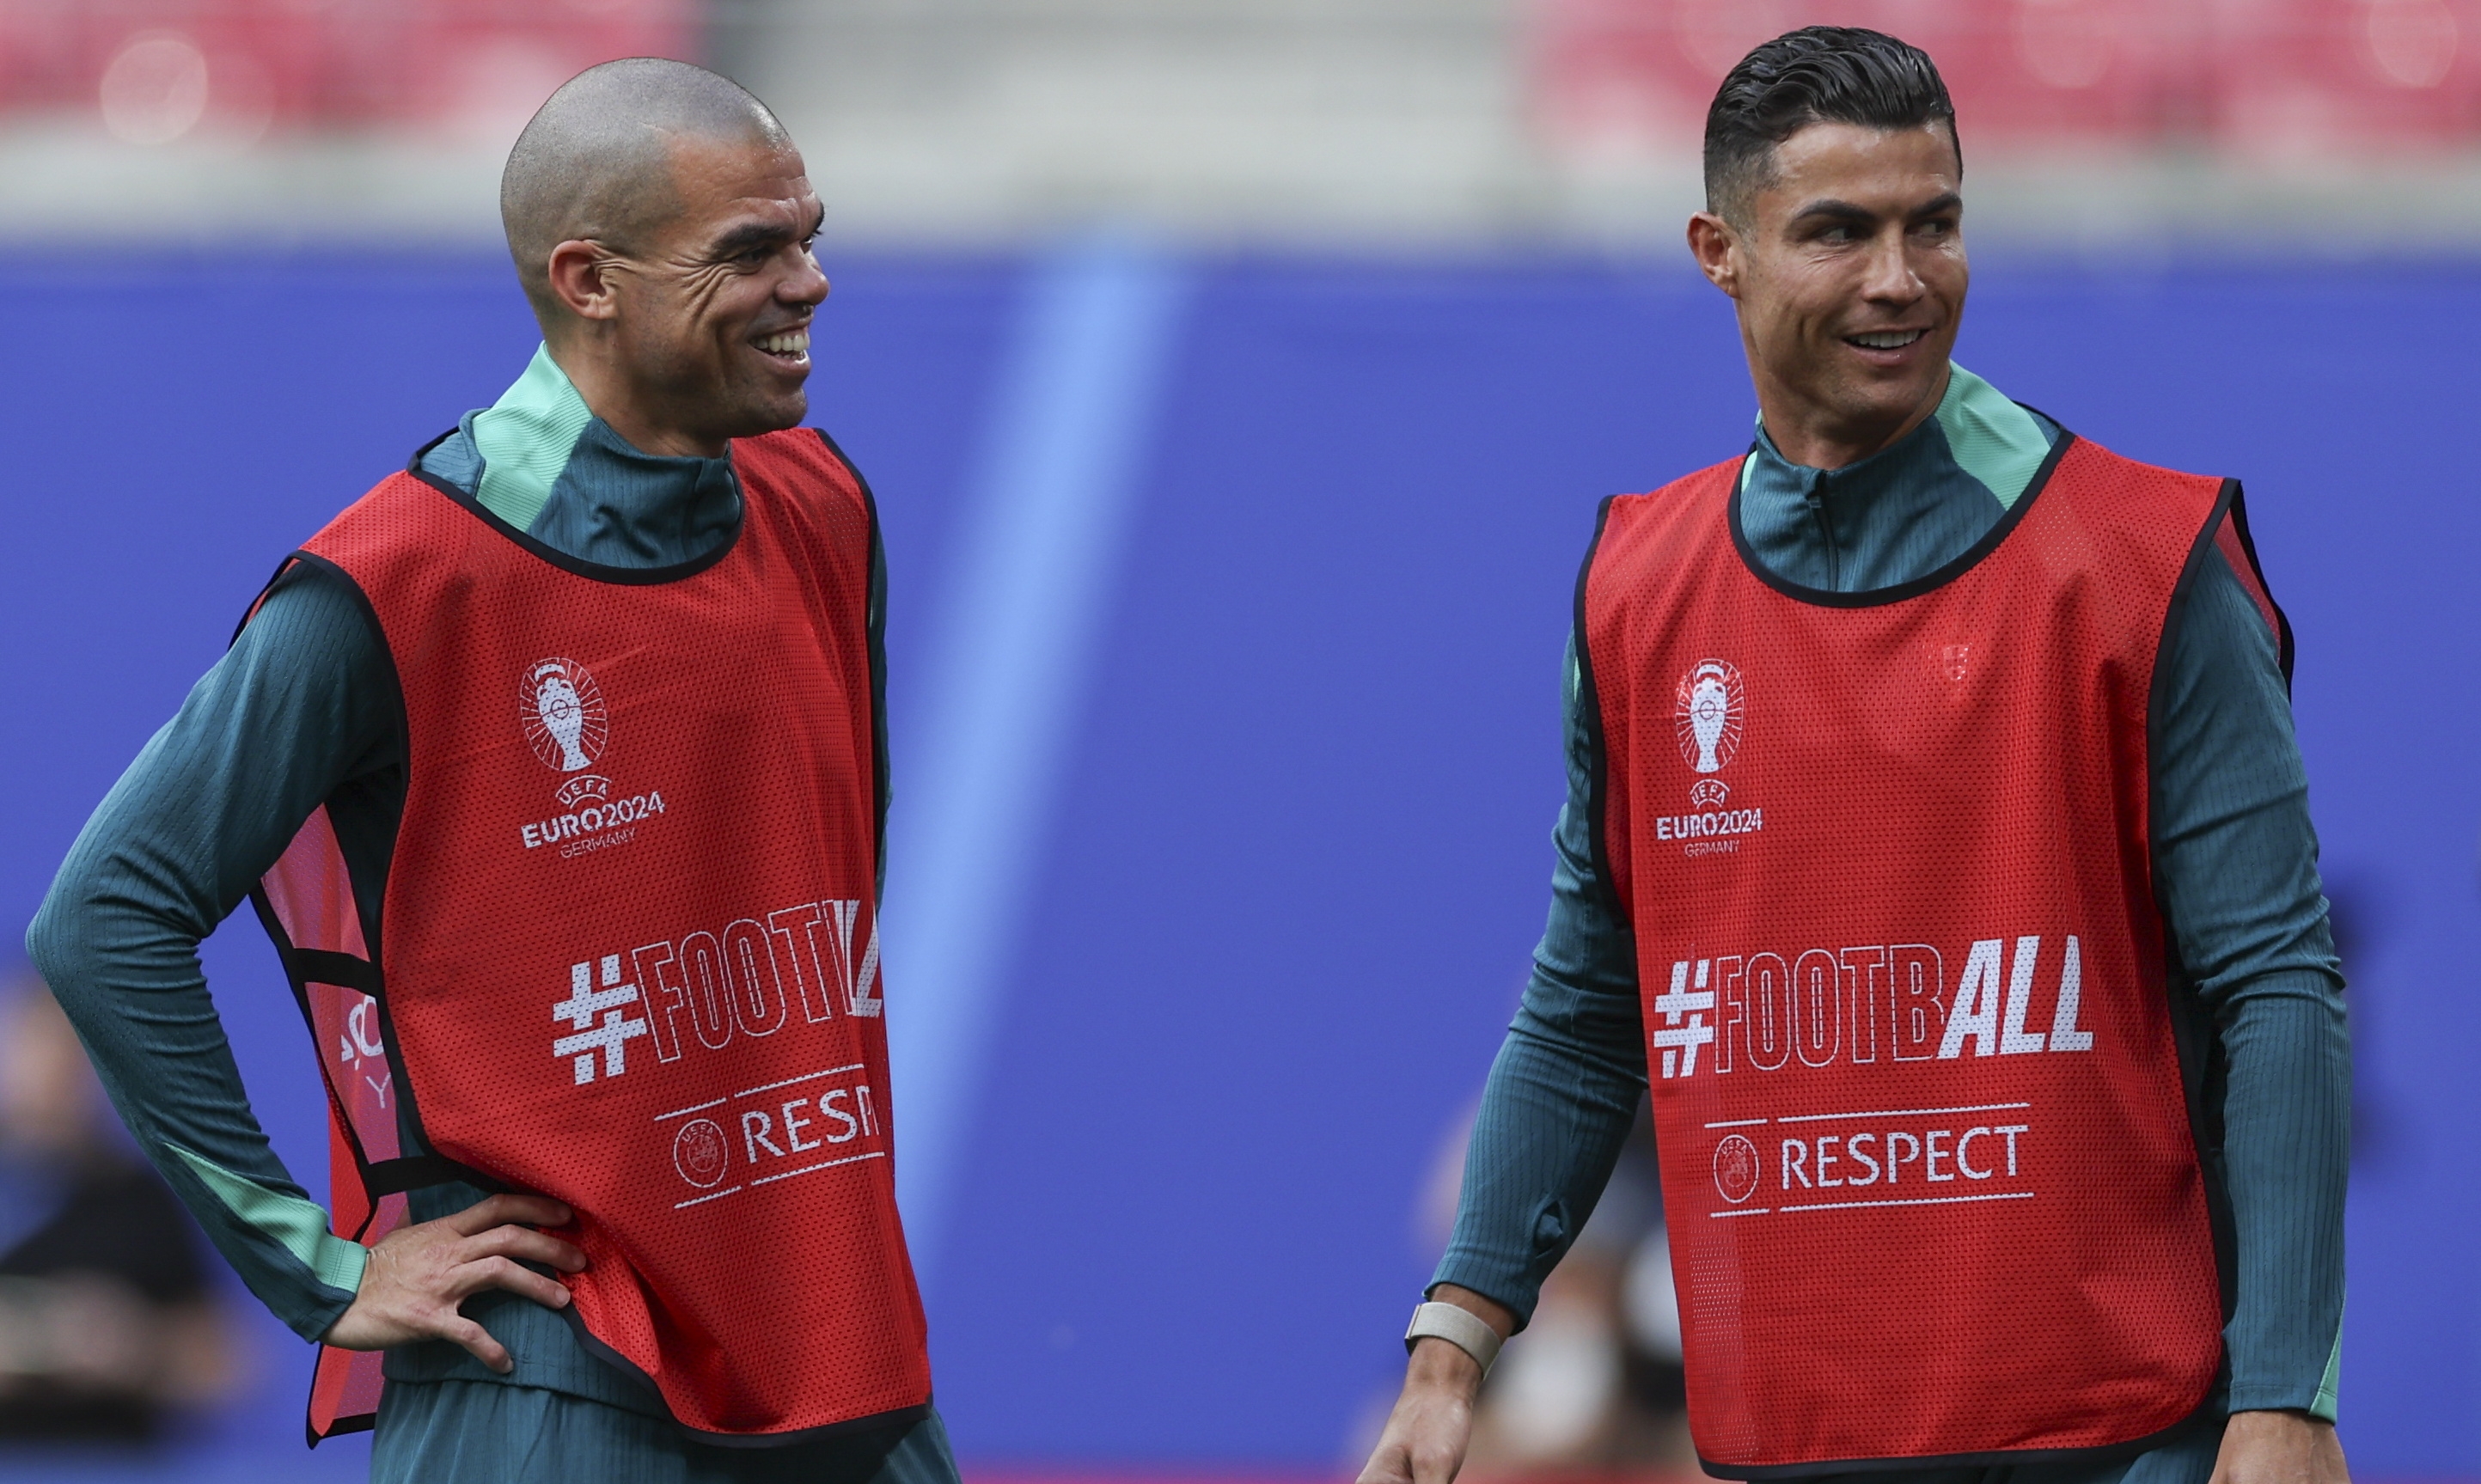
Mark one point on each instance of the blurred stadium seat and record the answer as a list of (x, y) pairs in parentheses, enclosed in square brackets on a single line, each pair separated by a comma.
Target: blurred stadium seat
[(2250, 77), (155, 68)]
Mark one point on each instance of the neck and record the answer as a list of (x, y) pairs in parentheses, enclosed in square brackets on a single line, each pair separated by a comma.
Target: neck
[(611, 395), (1817, 437)]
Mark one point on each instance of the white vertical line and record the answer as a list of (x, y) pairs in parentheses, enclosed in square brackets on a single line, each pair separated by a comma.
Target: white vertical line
[(1045, 520)]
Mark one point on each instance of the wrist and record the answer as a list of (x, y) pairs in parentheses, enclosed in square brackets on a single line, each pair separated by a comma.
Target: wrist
[(1458, 1326), (1437, 1364)]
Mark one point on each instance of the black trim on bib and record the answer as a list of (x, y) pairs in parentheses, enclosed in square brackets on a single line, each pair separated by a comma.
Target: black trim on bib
[(1590, 709), (592, 571), (2200, 551), (874, 624), (415, 1172), (2247, 545), (2202, 1064), (2106, 1453), (318, 966), (304, 967), (1875, 597), (753, 1441), (410, 1136), (361, 1422)]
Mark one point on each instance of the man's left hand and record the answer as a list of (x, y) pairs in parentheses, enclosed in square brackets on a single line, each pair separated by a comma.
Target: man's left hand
[(2278, 1448)]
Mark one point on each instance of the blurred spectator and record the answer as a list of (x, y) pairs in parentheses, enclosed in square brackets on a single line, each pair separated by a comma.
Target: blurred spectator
[(1594, 1383), (108, 1322)]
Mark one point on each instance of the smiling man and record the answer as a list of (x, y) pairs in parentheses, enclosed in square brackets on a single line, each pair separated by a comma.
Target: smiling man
[(554, 766), (1937, 847)]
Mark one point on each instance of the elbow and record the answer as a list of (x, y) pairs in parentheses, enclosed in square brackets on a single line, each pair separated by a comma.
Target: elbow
[(46, 948), (54, 944)]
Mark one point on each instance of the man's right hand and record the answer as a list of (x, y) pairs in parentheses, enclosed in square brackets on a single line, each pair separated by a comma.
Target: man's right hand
[(417, 1275), (1427, 1433)]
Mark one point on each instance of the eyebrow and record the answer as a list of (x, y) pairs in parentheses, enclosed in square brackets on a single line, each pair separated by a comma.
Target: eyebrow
[(763, 234), (1832, 210)]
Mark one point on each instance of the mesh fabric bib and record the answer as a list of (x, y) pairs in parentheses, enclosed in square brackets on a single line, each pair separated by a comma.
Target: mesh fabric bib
[(1928, 1160), (629, 955)]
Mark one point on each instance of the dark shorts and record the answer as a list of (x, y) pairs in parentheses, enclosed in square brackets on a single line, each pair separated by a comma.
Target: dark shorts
[(476, 1432)]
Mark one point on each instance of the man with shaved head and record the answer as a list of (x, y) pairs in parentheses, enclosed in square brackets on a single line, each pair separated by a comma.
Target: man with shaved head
[(556, 767)]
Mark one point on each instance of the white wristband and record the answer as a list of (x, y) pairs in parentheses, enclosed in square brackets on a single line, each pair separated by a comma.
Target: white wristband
[(1458, 1327)]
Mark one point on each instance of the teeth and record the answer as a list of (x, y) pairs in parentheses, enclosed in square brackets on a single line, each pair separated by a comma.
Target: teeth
[(790, 343), (1887, 340)]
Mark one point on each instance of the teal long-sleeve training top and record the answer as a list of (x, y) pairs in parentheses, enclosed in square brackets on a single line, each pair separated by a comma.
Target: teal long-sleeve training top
[(301, 712), (2236, 859)]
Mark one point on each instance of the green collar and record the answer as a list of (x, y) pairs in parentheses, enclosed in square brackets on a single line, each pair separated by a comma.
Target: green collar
[(525, 439), (1997, 442), (1990, 437)]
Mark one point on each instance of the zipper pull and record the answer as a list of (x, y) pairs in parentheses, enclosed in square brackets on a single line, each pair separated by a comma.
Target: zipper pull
[(1815, 496)]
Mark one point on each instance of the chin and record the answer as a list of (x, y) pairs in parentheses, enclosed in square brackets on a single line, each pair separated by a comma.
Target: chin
[(1892, 399), (773, 415)]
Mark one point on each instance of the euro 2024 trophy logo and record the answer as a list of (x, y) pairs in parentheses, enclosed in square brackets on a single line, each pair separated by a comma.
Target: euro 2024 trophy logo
[(1709, 715), (564, 719)]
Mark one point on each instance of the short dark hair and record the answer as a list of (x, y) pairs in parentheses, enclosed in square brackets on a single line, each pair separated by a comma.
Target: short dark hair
[(1818, 74)]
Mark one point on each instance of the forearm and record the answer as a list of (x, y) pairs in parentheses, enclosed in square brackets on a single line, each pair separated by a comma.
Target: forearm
[(1554, 1117), (2286, 1146), (207, 807), (2236, 858), (130, 982), (1565, 1086)]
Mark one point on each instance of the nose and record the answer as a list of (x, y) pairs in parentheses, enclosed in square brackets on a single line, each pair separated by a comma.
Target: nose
[(1890, 279), (808, 286)]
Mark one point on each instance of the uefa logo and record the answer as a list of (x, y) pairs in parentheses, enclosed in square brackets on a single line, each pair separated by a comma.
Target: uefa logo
[(1709, 715), (562, 710), (700, 1153), (1736, 1169)]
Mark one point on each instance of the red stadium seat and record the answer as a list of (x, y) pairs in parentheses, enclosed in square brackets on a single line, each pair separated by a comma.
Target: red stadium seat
[(409, 61), (2255, 75)]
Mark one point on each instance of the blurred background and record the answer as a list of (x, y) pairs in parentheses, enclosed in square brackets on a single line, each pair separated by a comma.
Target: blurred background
[(1305, 334)]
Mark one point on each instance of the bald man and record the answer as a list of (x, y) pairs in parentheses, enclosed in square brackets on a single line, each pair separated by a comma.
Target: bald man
[(554, 766)]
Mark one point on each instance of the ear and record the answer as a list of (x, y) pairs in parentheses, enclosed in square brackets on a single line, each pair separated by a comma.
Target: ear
[(580, 281), (1716, 247)]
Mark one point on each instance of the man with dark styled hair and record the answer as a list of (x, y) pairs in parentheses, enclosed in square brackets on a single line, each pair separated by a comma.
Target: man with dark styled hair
[(1937, 850), (556, 767)]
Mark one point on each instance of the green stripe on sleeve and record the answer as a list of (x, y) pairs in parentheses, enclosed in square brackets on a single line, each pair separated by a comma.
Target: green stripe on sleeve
[(2326, 1404), (298, 1226)]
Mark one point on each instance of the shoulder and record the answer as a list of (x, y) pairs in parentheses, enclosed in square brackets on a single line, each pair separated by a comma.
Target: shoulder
[(307, 600), (1630, 523), (800, 462), (2125, 515), (1707, 482), (798, 485), (2088, 465), (404, 517)]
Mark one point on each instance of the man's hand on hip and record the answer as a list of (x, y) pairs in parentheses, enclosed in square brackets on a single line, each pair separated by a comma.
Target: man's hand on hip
[(419, 1274), (1427, 1433), (2278, 1448)]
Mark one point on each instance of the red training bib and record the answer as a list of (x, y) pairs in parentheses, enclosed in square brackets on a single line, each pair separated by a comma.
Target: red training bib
[(629, 953), (1932, 1190)]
